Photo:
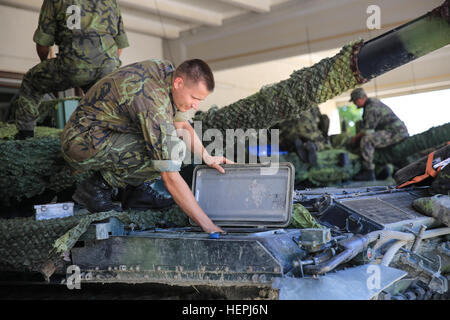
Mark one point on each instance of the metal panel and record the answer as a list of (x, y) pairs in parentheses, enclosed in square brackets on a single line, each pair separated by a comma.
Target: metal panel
[(245, 197), (359, 283), (184, 258), (393, 211)]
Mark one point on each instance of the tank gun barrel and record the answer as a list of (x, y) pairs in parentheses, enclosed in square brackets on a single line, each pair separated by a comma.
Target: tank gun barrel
[(405, 43), (355, 64)]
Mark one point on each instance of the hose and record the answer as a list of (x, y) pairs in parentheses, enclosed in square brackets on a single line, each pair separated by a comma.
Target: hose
[(389, 255), (351, 247), (358, 243), (387, 235)]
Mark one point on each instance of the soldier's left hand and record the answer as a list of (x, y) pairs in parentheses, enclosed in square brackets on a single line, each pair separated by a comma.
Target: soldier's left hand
[(215, 162)]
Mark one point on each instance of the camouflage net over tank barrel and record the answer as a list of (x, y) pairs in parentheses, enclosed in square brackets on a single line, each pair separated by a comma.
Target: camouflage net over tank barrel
[(287, 99)]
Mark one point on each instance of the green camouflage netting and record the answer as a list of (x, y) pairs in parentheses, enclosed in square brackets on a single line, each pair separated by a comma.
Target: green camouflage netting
[(437, 206), (302, 219), (8, 131), (412, 146), (27, 244), (30, 167), (327, 171), (288, 98)]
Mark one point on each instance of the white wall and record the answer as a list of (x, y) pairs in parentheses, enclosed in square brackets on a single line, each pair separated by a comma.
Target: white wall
[(18, 53), (141, 47)]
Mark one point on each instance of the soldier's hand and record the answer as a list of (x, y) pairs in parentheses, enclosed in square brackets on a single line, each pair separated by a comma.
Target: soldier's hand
[(215, 162)]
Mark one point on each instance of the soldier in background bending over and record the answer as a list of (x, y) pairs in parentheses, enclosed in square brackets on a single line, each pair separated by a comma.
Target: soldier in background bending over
[(380, 128)]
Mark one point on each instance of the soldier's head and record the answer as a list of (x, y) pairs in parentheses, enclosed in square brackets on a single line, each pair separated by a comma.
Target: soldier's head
[(358, 97), (192, 82)]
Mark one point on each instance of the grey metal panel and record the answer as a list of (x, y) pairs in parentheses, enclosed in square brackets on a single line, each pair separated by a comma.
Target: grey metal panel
[(184, 258), (191, 257), (245, 197), (393, 211), (358, 283)]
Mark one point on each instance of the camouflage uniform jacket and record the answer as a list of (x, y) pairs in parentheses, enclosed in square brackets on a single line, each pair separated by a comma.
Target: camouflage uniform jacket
[(133, 99), (305, 127), (95, 43), (377, 117)]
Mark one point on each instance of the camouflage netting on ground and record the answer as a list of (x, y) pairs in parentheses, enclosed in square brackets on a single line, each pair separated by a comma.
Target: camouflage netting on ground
[(327, 171), (288, 98), (8, 131), (30, 167), (27, 244)]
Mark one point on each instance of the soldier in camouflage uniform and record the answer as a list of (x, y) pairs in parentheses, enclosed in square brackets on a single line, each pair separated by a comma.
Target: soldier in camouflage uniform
[(305, 135), (126, 129), (90, 36), (380, 128)]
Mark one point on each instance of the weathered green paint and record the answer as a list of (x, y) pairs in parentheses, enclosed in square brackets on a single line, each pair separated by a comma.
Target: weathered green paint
[(425, 35)]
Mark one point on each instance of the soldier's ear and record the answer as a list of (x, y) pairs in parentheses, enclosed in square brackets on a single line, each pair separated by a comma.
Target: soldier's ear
[(178, 83)]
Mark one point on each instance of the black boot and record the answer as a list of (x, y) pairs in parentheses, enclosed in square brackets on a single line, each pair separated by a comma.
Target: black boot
[(312, 152), (301, 150), (365, 175), (344, 160), (24, 134), (146, 196), (95, 194)]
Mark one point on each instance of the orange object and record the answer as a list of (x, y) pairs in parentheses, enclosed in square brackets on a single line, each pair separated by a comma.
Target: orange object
[(429, 172)]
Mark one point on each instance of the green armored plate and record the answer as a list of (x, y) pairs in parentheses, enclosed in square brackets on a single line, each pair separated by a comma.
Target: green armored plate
[(246, 195)]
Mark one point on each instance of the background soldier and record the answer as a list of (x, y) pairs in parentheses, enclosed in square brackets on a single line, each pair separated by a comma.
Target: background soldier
[(126, 129), (380, 128), (305, 135), (89, 35)]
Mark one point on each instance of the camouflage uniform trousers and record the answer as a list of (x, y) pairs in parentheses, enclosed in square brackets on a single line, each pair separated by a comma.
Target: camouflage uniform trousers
[(49, 76), (376, 140), (122, 161)]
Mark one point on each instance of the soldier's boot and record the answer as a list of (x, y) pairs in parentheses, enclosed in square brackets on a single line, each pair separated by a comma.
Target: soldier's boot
[(344, 160), (96, 194), (24, 134), (301, 150), (312, 152), (365, 175), (144, 197)]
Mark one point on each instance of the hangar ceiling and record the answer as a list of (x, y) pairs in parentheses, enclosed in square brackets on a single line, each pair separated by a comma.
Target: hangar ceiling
[(242, 38), (168, 18)]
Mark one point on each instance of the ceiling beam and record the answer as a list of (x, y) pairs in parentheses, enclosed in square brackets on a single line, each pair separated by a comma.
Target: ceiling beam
[(259, 6), (177, 10), (150, 26)]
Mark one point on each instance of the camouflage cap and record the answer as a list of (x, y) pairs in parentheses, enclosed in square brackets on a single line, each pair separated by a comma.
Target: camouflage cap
[(357, 94)]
